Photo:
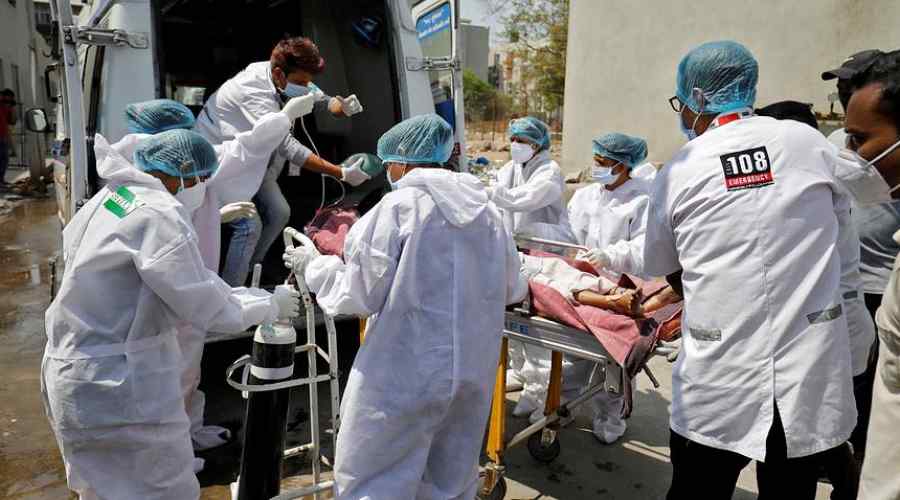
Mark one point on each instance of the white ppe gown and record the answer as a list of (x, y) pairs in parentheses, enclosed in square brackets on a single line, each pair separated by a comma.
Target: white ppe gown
[(112, 365), (615, 222), (880, 478), (750, 212), (530, 198), (242, 165), (434, 268)]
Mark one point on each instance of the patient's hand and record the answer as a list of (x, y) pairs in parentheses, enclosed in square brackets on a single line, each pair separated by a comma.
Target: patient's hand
[(619, 300)]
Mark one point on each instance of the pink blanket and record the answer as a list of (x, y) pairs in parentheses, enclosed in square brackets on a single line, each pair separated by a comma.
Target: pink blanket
[(629, 341), (329, 228)]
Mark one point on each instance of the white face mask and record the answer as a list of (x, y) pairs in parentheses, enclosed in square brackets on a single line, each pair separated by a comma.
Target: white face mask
[(862, 179), (520, 152), (191, 197), (604, 175)]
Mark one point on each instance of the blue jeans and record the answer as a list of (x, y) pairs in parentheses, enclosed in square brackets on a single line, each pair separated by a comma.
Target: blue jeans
[(274, 210), (244, 237)]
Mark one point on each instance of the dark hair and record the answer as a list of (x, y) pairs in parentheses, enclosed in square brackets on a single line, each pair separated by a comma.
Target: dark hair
[(298, 53), (790, 110), (7, 93), (886, 73)]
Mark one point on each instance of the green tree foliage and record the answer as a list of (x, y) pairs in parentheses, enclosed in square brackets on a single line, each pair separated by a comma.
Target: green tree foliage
[(482, 101), (538, 31)]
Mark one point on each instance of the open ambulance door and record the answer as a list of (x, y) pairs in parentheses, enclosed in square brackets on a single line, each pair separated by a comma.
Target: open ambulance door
[(437, 28)]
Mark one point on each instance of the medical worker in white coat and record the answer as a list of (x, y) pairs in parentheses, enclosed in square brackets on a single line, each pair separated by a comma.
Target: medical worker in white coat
[(227, 198), (529, 193), (258, 90), (111, 368), (610, 217), (750, 215), (434, 268)]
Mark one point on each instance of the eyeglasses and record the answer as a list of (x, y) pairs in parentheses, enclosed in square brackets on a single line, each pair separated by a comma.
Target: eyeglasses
[(676, 104)]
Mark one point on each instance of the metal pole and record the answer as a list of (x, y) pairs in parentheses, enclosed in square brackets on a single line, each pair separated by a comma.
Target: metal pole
[(265, 424)]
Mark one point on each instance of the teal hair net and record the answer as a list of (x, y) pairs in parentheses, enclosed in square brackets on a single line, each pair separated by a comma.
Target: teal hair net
[(179, 153), (419, 140), (157, 115), (717, 77), (532, 129), (629, 150)]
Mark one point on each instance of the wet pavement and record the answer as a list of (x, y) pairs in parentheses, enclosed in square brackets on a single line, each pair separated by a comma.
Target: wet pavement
[(637, 467)]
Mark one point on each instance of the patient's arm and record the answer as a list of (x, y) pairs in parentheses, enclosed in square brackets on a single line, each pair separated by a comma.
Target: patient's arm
[(627, 302), (661, 299)]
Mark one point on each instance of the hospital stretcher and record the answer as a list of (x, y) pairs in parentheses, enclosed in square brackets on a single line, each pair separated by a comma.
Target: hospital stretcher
[(542, 437)]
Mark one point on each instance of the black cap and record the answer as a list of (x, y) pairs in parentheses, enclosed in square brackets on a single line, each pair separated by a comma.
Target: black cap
[(853, 65)]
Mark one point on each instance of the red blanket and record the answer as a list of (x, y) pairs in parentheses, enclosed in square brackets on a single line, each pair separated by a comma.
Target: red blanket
[(329, 228)]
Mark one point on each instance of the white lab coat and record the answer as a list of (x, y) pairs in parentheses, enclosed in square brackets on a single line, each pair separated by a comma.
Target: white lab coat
[(243, 100), (530, 197), (880, 479), (614, 221), (242, 164), (762, 322), (434, 268), (112, 364)]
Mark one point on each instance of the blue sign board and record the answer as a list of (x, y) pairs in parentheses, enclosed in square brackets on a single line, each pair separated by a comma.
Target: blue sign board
[(434, 22)]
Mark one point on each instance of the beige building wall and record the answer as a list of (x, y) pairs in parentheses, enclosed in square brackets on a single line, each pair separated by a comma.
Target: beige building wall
[(622, 58)]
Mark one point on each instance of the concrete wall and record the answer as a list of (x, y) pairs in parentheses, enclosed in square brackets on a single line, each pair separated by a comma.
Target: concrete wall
[(21, 52), (622, 58), (474, 48)]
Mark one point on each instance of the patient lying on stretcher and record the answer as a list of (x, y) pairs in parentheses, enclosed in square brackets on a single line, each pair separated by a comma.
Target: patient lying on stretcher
[(584, 288)]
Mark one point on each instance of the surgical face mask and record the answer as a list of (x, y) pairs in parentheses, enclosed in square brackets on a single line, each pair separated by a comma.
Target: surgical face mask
[(864, 180), (191, 197), (391, 182), (690, 133), (520, 152), (293, 90), (604, 175)]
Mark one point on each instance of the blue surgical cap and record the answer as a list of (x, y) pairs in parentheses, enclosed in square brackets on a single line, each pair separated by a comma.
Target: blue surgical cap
[(419, 140), (157, 115), (531, 129), (724, 73), (629, 150), (179, 153)]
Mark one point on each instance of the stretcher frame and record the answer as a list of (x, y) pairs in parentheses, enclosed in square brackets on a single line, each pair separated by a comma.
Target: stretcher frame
[(543, 436)]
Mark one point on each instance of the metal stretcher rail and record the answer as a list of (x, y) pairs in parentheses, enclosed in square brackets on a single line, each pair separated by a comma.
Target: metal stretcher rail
[(542, 436)]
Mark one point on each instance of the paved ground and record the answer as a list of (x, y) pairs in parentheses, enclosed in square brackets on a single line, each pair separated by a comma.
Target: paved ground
[(30, 468)]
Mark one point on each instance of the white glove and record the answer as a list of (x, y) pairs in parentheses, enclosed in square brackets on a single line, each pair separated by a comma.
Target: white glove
[(299, 106), (234, 211), (350, 105), (288, 301), (595, 257), (296, 259), (353, 174)]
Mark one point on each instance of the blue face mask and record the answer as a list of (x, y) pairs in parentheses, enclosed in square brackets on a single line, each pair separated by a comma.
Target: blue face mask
[(392, 183), (690, 133), (293, 90)]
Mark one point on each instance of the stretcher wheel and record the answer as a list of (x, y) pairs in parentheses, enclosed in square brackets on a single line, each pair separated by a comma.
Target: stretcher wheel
[(543, 453), (498, 493)]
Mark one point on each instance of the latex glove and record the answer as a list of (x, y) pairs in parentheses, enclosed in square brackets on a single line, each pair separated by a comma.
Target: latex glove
[(299, 106), (353, 174), (489, 191), (350, 105), (288, 301), (296, 259), (596, 257), (240, 210)]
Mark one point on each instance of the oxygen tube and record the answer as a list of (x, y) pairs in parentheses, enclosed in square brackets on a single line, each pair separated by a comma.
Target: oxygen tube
[(316, 151)]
